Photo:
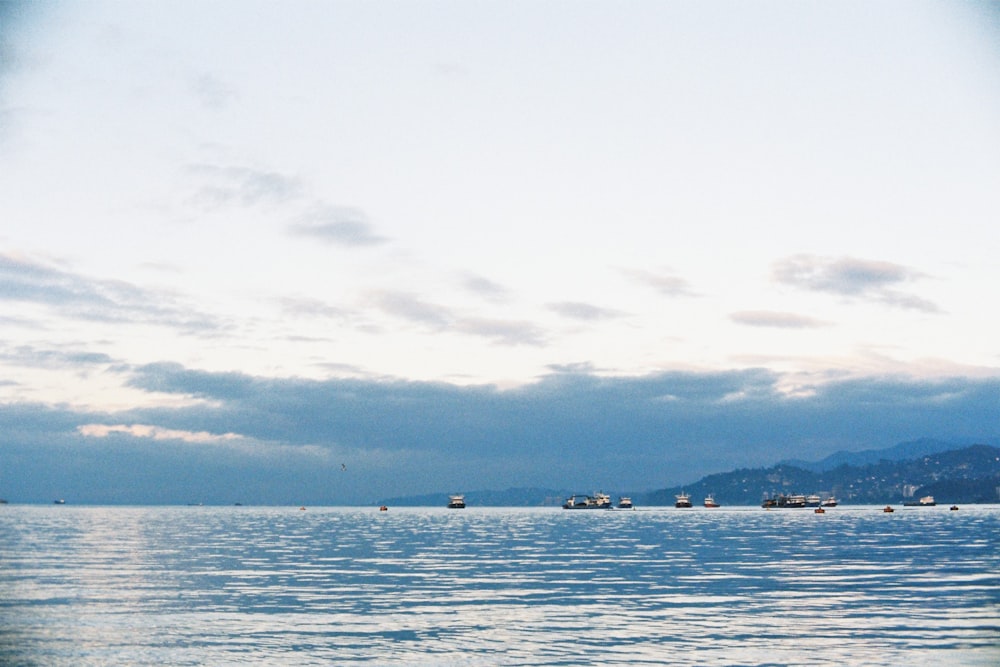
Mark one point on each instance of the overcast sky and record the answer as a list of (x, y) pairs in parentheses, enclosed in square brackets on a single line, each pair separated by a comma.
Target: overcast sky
[(337, 251)]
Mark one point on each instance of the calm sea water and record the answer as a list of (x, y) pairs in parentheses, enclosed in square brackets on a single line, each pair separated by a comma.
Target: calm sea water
[(491, 586)]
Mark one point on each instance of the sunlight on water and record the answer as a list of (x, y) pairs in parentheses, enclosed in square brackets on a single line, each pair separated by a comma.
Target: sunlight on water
[(201, 585)]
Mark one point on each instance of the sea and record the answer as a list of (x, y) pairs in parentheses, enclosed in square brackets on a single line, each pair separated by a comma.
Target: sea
[(87, 585)]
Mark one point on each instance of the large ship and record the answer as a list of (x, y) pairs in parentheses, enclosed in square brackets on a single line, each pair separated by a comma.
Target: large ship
[(456, 502), (683, 500), (792, 500), (598, 501), (710, 501), (926, 501)]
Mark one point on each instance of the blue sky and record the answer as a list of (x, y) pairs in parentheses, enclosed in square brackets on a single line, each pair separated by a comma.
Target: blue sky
[(454, 246)]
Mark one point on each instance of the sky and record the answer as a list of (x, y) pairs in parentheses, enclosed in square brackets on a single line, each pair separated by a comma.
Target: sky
[(332, 252)]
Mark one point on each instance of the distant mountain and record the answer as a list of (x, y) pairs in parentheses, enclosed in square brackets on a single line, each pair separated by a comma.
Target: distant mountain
[(967, 475), (900, 452)]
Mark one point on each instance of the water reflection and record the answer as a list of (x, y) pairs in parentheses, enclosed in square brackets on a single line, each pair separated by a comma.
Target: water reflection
[(127, 586)]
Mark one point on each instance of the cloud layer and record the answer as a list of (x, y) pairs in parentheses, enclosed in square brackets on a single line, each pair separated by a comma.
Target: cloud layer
[(274, 440)]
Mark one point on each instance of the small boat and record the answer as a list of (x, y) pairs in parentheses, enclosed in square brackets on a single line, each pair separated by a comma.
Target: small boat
[(456, 502), (888, 509), (683, 500), (383, 508), (710, 501), (625, 503), (926, 501), (598, 501), (953, 508), (819, 510), (59, 502)]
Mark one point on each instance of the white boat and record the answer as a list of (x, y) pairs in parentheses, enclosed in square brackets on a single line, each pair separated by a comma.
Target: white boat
[(456, 502), (830, 502), (710, 501), (683, 500), (598, 501), (624, 503), (926, 501)]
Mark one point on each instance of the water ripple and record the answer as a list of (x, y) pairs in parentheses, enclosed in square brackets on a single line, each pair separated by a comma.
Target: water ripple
[(220, 586)]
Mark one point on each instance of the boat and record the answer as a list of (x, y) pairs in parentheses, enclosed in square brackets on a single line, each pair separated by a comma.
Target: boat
[(683, 500), (782, 500), (813, 500), (710, 501), (953, 508), (456, 502), (830, 502), (819, 510), (578, 501), (888, 509), (625, 503), (383, 508), (926, 501), (59, 502)]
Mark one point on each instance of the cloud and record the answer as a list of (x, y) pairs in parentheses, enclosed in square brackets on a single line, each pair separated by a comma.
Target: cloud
[(154, 433), (664, 282), (244, 186), (283, 439), (485, 288), (26, 355), (583, 311), (851, 277), (507, 332), (212, 92), (338, 225), (75, 295), (305, 307), (14, 51), (410, 307), (768, 318)]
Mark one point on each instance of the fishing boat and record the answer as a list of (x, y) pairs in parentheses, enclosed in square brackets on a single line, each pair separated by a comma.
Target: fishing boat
[(710, 501), (683, 500), (888, 509), (456, 502), (598, 501), (926, 501), (625, 503)]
